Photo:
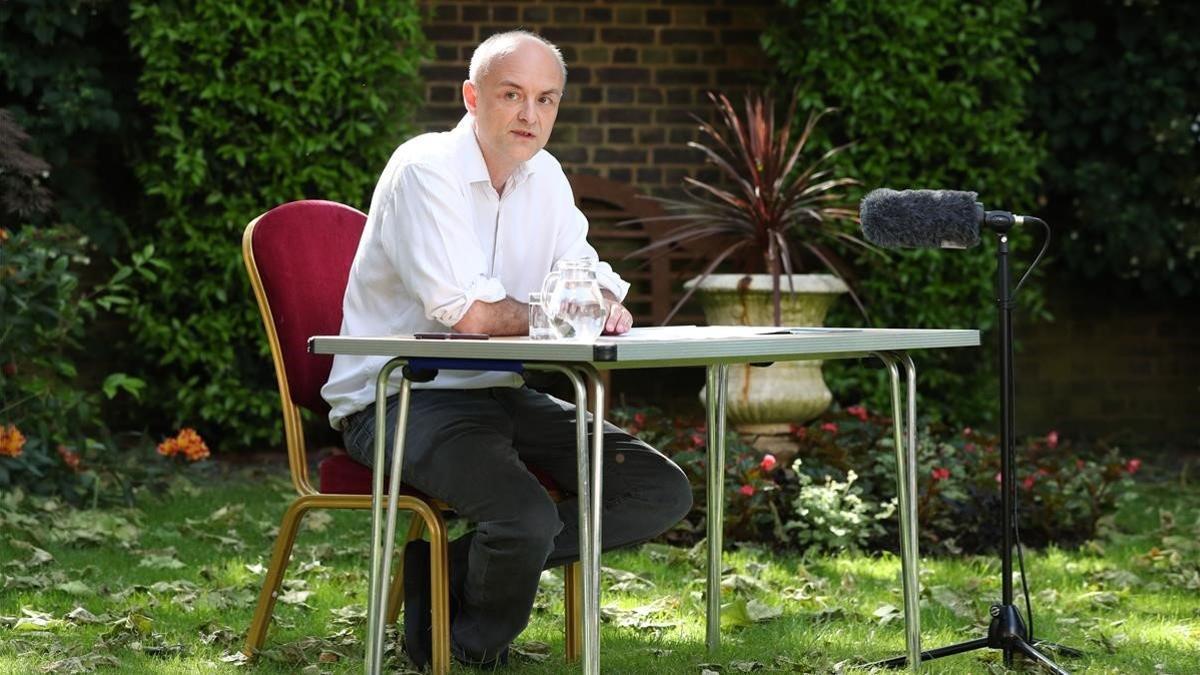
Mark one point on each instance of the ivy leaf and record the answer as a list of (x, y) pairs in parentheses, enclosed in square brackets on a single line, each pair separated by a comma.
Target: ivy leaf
[(76, 587), (735, 615), (887, 614), (759, 612)]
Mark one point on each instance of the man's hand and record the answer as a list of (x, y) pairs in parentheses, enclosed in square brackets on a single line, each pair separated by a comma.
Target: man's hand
[(619, 320)]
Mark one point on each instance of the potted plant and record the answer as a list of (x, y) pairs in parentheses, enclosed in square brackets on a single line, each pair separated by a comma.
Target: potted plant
[(772, 215)]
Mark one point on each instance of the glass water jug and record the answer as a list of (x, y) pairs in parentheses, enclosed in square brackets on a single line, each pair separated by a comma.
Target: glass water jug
[(571, 296)]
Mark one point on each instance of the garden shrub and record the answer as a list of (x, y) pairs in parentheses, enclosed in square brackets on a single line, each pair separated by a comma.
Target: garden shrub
[(253, 105), (839, 494), (1117, 97), (52, 437), (933, 95)]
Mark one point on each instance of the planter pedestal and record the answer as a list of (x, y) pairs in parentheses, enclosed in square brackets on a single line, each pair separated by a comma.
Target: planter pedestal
[(767, 401)]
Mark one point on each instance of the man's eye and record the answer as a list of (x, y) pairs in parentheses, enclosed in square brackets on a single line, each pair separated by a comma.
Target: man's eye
[(512, 95), (546, 99)]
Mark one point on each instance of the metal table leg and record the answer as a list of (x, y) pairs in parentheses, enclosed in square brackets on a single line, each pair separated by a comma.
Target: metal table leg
[(714, 402), (381, 555), (589, 492), (590, 556), (380, 551), (906, 487)]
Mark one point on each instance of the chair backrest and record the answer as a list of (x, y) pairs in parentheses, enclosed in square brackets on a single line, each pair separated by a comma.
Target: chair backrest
[(298, 256)]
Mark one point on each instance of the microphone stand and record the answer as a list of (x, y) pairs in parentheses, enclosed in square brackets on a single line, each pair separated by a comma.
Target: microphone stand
[(1006, 630)]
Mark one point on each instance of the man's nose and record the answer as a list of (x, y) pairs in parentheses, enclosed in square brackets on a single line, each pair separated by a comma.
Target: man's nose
[(526, 112)]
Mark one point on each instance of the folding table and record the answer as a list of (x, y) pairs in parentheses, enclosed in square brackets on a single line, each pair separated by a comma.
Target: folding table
[(715, 348)]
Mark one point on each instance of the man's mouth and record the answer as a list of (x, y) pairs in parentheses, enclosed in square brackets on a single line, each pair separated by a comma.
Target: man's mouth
[(524, 134)]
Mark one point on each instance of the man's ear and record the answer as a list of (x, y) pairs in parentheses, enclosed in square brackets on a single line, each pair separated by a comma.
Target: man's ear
[(470, 95)]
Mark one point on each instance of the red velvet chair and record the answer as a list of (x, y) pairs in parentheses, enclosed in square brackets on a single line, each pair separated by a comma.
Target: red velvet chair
[(298, 257)]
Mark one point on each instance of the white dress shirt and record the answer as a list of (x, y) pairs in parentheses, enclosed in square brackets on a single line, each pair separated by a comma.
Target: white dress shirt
[(438, 238)]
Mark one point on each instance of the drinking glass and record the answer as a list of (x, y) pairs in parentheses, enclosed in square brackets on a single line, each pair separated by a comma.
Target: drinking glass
[(539, 322)]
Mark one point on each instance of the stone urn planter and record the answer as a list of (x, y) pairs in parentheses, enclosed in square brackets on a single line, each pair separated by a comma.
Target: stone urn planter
[(766, 401)]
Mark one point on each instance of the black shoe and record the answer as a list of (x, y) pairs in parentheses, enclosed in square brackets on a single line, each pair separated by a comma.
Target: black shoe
[(498, 661), (418, 603)]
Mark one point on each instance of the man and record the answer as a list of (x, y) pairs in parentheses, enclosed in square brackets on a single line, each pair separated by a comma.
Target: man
[(463, 226)]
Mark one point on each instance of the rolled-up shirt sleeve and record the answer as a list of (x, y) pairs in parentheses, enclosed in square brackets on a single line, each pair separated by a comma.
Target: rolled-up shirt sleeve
[(572, 244), (426, 233)]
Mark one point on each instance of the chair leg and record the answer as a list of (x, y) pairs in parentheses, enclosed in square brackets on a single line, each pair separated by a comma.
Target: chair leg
[(439, 582), (573, 605), (396, 592), (279, 561)]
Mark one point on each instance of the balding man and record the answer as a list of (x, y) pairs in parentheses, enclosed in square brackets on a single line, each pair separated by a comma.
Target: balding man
[(463, 225)]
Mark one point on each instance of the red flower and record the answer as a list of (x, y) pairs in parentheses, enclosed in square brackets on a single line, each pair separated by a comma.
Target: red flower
[(768, 462), (940, 473), (69, 457), (858, 411), (1133, 465), (698, 441), (799, 431), (747, 490), (639, 419), (1028, 482), (969, 447), (1052, 439), (830, 427)]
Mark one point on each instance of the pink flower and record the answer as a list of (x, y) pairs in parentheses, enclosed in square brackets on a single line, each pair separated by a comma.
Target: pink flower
[(966, 431), (768, 462), (940, 473), (1028, 482), (858, 411), (999, 477), (830, 427), (1052, 439), (747, 490), (698, 441), (969, 447), (1133, 465)]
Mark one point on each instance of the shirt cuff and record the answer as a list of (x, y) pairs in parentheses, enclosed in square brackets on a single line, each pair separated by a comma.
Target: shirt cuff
[(613, 283), (484, 289)]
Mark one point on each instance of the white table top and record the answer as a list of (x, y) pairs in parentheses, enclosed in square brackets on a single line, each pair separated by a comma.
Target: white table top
[(664, 346)]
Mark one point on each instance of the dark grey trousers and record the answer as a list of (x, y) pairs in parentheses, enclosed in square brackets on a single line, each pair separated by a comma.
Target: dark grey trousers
[(469, 448)]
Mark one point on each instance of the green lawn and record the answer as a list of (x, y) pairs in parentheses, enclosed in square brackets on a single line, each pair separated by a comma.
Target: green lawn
[(170, 587)]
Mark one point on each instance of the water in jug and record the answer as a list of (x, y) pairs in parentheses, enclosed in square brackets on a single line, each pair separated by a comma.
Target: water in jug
[(571, 296)]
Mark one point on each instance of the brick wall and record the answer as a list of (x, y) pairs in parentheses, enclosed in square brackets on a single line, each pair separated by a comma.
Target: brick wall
[(1108, 366), (636, 71)]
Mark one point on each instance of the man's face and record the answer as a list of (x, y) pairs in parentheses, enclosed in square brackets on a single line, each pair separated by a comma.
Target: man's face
[(515, 104)]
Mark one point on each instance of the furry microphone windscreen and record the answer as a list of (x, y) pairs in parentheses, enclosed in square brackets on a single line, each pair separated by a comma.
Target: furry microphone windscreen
[(921, 218)]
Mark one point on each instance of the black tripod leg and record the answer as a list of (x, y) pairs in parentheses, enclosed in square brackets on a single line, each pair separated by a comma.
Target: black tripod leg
[(1025, 648), (901, 661)]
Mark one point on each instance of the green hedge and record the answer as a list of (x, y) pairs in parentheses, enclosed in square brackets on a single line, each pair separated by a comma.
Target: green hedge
[(933, 95), (253, 105), (1119, 99)]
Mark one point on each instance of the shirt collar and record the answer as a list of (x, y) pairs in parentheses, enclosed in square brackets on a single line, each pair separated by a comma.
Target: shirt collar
[(471, 156)]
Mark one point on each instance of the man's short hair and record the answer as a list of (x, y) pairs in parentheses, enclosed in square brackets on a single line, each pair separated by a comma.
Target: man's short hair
[(503, 44)]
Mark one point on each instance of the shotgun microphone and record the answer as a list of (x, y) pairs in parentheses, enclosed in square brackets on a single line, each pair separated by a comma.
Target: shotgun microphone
[(923, 218)]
